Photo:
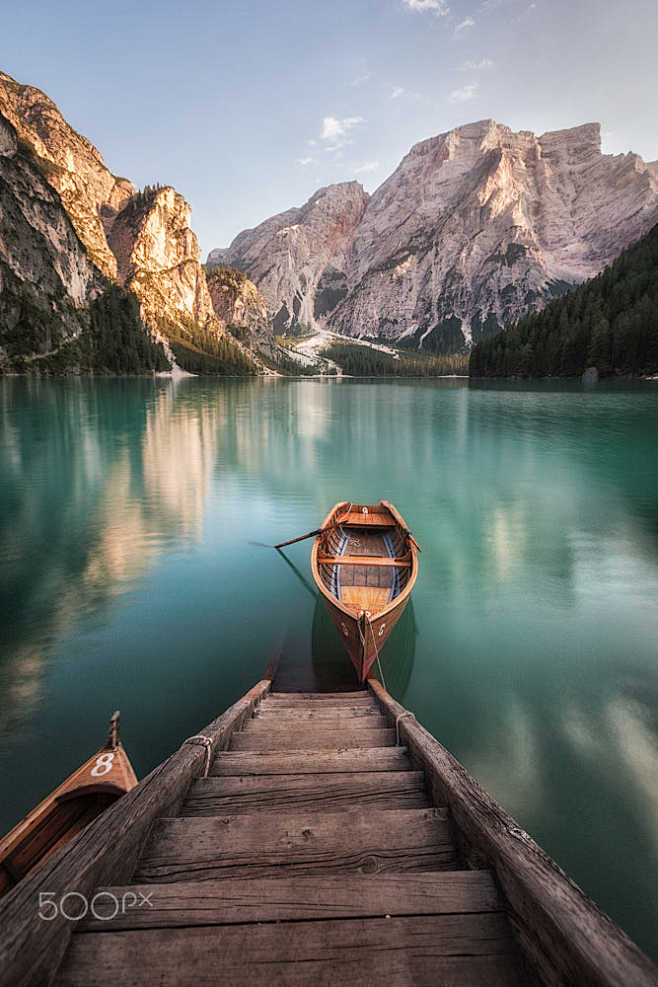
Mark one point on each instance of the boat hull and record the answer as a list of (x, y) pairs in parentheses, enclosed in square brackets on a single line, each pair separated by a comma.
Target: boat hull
[(364, 640), (75, 803)]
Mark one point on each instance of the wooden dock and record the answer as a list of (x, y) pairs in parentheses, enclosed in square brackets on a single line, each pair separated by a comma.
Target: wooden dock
[(328, 837)]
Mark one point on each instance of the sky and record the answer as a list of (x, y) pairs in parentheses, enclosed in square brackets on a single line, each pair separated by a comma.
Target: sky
[(247, 107)]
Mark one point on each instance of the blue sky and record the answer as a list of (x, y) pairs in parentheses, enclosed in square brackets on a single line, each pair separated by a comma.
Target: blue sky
[(248, 107)]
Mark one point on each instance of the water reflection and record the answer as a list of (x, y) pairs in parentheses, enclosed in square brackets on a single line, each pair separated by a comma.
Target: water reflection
[(128, 575)]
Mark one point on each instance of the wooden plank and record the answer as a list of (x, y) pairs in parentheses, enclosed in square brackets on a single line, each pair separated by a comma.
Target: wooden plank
[(565, 937), (362, 695), (339, 714), (230, 763), (373, 519), (450, 950), (300, 793), (104, 852), (364, 560), (311, 740), (291, 700), (367, 842), (370, 598), (315, 724), (189, 903)]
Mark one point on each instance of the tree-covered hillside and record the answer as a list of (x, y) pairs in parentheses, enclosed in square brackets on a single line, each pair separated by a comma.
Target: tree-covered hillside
[(609, 322)]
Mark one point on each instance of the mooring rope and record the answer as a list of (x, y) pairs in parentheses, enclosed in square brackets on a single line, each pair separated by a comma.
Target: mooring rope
[(202, 741), (399, 717), (374, 641)]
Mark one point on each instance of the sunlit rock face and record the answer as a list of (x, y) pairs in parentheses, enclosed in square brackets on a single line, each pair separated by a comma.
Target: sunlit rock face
[(91, 194), (46, 277), (298, 259), (143, 240), (158, 258), (474, 228)]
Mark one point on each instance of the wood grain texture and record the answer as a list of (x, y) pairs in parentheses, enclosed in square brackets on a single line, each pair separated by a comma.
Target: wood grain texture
[(339, 698), (340, 715), (310, 762), (359, 841), (106, 851), (565, 937), (450, 950), (299, 793), (189, 903), (311, 740), (315, 725)]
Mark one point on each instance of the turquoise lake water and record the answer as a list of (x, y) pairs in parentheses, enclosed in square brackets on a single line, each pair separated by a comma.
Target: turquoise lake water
[(128, 579)]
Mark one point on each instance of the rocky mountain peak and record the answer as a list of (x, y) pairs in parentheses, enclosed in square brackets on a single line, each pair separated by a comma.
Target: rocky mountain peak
[(298, 258), (474, 227)]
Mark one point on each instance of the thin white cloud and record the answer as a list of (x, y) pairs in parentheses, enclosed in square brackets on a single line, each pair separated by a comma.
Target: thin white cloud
[(464, 25), (335, 132), (305, 161), (477, 65), (360, 79), (396, 92), (465, 94), (368, 166), (438, 7)]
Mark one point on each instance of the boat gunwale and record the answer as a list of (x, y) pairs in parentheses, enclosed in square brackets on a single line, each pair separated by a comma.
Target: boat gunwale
[(402, 596)]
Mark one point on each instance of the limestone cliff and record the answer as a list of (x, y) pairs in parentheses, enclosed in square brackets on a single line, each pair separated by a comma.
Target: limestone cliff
[(58, 312), (46, 278), (474, 228), (91, 194), (298, 259), (142, 240), (158, 258), (236, 300)]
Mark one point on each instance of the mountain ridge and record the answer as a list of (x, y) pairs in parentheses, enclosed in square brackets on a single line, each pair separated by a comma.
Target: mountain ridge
[(474, 227)]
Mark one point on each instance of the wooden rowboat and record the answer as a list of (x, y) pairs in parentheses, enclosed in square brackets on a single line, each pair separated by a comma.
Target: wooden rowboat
[(365, 564), (98, 783)]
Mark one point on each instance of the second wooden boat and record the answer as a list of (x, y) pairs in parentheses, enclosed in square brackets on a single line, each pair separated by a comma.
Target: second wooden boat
[(75, 803), (365, 564)]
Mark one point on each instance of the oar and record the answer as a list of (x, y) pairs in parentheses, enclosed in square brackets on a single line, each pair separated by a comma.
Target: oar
[(303, 581), (309, 534)]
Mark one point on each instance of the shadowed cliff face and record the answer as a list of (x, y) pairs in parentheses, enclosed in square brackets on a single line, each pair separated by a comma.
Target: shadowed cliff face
[(46, 278), (236, 300), (474, 228)]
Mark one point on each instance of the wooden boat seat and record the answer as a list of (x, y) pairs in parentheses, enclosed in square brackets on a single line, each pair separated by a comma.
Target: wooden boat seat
[(368, 520), (372, 598), (366, 560)]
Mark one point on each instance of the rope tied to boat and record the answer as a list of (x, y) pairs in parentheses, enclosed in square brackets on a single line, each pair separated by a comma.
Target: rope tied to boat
[(401, 716), (201, 740), (366, 614)]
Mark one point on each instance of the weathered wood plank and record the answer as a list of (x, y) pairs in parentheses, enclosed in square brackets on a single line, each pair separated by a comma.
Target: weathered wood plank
[(30, 949), (189, 903), (299, 793), (340, 715), (565, 937), (362, 695), (308, 762), (450, 950), (273, 724), (310, 740), (364, 841)]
